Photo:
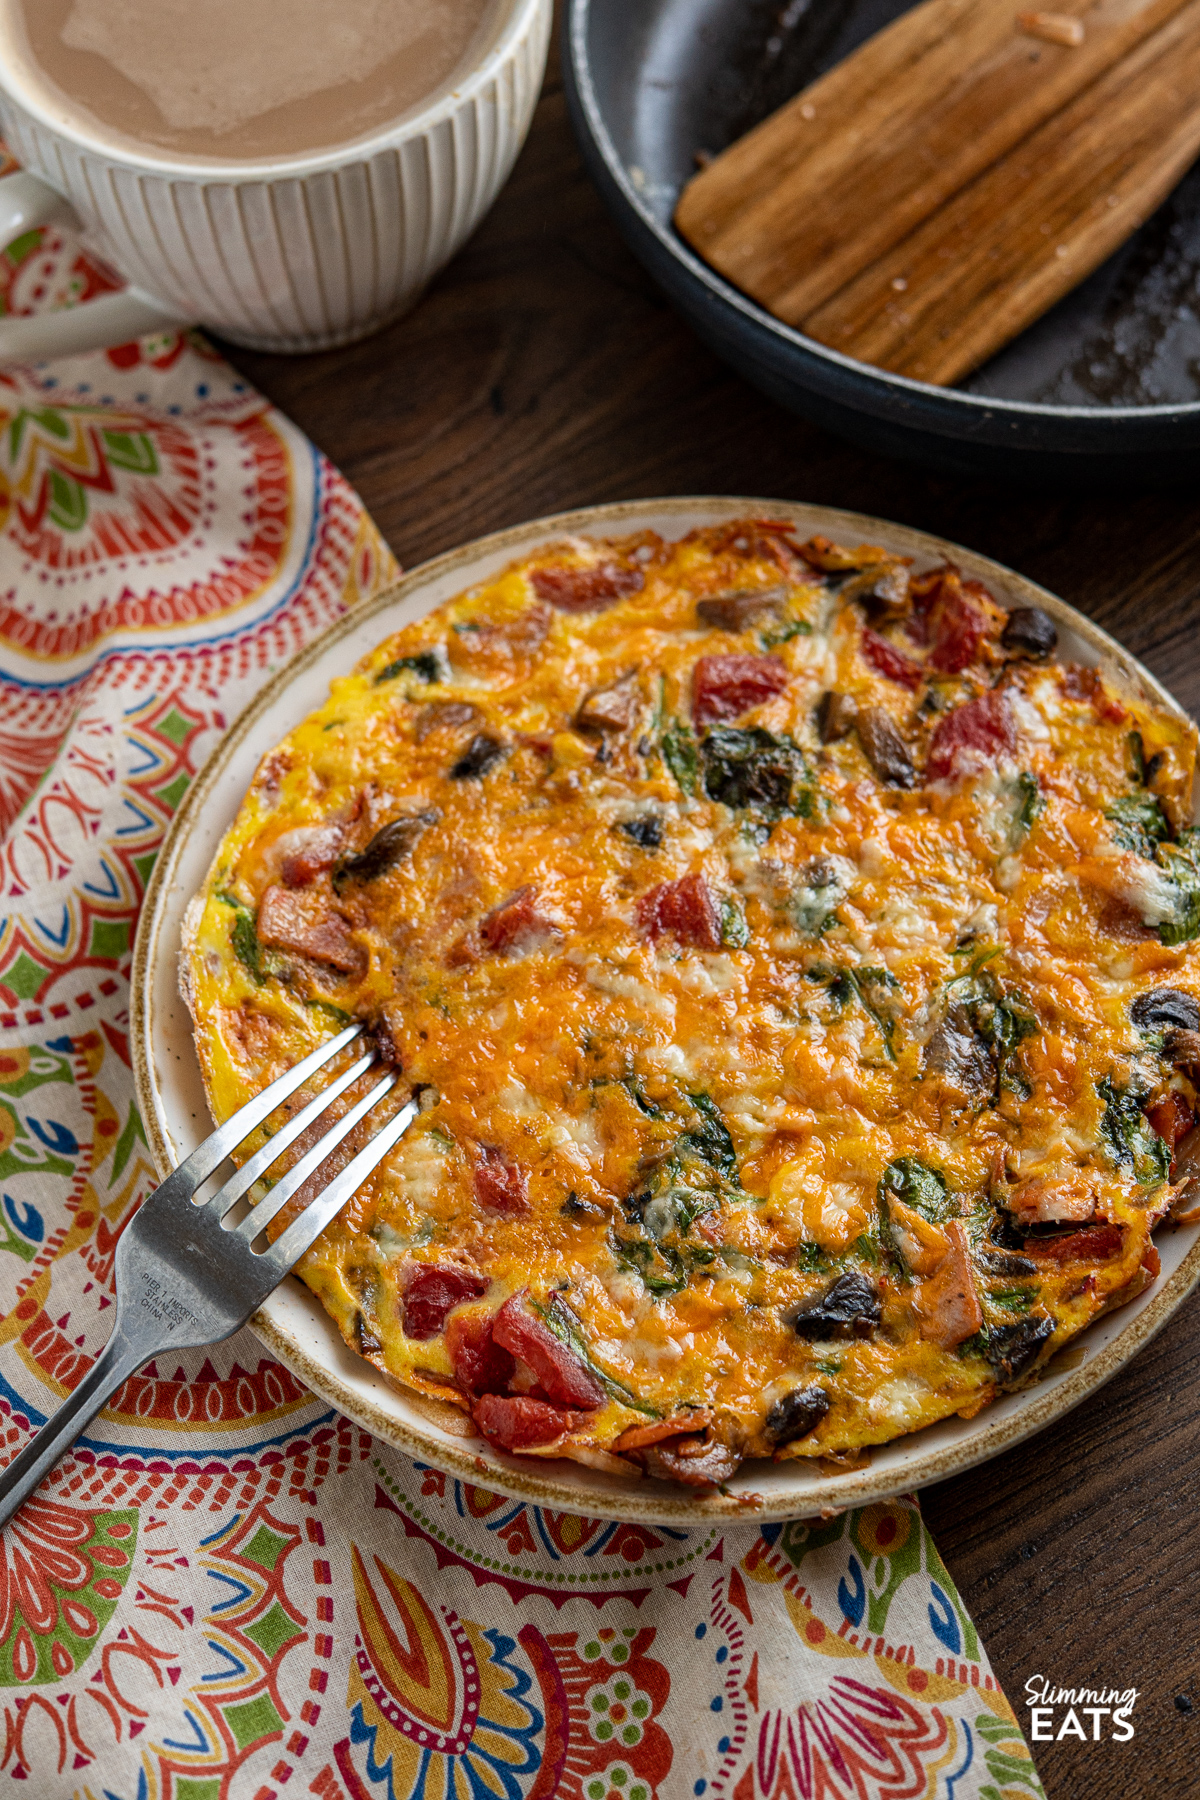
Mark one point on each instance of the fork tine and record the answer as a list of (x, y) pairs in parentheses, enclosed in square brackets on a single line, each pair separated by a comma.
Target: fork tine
[(262, 1214), (244, 1178), (304, 1231), (197, 1167)]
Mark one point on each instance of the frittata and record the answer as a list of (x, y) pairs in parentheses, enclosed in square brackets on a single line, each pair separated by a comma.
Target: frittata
[(796, 965)]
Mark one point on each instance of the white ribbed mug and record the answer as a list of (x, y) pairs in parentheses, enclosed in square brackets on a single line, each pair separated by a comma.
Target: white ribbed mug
[(294, 253)]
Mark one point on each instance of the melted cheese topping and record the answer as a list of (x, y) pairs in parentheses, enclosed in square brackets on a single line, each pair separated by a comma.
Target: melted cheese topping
[(935, 977)]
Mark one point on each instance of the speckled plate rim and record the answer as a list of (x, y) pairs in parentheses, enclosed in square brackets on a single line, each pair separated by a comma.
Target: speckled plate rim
[(292, 1324)]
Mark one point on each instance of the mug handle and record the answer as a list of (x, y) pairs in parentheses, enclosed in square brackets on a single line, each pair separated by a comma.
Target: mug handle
[(26, 201)]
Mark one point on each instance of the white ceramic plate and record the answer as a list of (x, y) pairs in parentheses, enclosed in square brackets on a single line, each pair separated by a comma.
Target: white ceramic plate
[(295, 1327)]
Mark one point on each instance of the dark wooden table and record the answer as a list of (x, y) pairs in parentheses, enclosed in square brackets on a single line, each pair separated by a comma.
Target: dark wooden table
[(543, 371)]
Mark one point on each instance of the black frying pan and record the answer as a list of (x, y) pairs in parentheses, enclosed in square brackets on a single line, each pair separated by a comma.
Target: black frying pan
[(1104, 388)]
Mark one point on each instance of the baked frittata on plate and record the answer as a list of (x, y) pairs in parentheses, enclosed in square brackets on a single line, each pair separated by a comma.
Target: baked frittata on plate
[(797, 967)]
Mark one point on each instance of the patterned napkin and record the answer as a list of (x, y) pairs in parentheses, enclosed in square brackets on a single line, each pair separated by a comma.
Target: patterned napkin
[(228, 1591)]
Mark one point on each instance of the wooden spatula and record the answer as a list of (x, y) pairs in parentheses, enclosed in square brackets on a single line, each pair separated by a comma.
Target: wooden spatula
[(935, 192)]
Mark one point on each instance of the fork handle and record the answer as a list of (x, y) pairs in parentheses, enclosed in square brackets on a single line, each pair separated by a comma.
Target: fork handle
[(119, 1358)]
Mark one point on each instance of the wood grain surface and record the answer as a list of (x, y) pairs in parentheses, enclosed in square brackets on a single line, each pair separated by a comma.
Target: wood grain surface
[(543, 371)]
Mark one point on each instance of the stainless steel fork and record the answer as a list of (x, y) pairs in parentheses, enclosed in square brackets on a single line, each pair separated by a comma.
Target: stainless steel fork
[(184, 1275)]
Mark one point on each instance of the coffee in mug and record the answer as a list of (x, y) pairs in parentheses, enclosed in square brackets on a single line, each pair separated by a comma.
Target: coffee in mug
[(241, 80), (290, 173)]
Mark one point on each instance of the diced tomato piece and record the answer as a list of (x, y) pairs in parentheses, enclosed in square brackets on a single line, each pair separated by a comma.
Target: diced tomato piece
[(952, 614), (684, 907), (515, 924), (290, 919), (299, 870), (585, 590), (560, 1374), (518, 1422), (480, 1364), (430, 1291), (923, 591), (501, 1185), (958, 627), (1171, 1117), (306, 852), (889, 662), (1097, 1244), (971, 737), (724, 687)]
